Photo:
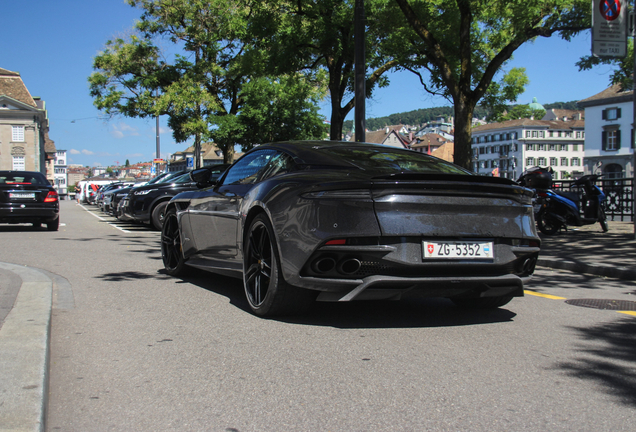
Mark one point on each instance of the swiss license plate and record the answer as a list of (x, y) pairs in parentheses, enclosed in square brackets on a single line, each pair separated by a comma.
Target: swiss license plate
[(458, 249), (22, 195)]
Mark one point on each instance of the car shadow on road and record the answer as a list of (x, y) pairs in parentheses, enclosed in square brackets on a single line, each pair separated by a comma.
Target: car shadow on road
[(407, 313), (606, 355), (22, 227)]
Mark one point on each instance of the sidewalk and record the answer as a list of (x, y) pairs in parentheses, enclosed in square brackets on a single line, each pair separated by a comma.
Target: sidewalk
[(24, 347), (589, 250)]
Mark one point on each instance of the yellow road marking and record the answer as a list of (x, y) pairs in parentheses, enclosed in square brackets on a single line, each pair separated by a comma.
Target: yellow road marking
[(544, 295), (548, 296), (632, 313)]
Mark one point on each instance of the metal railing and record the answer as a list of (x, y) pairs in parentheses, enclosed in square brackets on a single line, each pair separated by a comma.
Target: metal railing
[(620, 198)]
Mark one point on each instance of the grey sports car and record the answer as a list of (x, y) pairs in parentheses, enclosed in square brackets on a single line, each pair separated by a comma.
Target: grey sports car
[(342, 221)]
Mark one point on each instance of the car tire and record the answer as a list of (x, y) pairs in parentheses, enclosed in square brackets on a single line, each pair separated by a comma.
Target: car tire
[(603, 221), (482, 302), (171, 250), (546, 225), (265, 288), (158, 215), (53, 225)]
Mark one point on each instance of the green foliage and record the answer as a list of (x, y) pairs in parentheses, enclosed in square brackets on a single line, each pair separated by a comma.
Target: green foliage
[(460, 48), (519, 112), (206, 86), (426, 115), (318, 36)]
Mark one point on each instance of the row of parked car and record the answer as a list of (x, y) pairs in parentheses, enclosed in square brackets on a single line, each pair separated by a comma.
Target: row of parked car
[(146, 202)]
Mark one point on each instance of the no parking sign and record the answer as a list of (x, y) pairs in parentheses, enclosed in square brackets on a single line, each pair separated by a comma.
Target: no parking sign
[(609, 28)]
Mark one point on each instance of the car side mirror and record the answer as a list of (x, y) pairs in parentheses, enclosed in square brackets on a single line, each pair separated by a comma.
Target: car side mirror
[(201, 177)]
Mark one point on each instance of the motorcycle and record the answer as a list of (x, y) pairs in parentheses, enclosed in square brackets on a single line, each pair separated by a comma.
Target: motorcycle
[(557, 210)]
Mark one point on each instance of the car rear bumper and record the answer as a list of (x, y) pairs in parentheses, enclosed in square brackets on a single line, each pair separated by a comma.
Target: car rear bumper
[(393, 287), (16, 214)]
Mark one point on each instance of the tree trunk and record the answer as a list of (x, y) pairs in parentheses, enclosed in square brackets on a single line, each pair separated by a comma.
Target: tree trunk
[(463, 132), (337, 119)]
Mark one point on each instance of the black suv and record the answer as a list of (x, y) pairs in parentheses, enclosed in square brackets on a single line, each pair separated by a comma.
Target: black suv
[(28, 197), (148, 203)]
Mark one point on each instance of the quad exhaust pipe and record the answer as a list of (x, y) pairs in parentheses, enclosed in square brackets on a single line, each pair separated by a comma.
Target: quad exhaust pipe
[(326, 264)]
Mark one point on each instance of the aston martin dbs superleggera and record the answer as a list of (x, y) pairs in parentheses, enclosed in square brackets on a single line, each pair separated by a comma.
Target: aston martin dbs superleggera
[(342, 221)]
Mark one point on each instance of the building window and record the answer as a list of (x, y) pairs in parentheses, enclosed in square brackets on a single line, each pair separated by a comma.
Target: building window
[(551, 134), (575, 161), (17, 133), (611, 139), (542, 134), (18, 163), (611, 114), (541, 147), (552, 147), (575, 147), (564, 147), (482, 150), (534, 134), (553, 161), (529, 147), (527, 134), (578, 134), (541, 161), (564, 161), (530, 161)]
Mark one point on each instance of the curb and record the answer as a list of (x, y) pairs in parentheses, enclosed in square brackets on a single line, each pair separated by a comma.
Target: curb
[(622, 273), (24, 353)]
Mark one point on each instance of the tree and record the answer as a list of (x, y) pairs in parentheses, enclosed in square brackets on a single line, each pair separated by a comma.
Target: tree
[(519, 112), (318, 35), (200, 87), (459, 47)]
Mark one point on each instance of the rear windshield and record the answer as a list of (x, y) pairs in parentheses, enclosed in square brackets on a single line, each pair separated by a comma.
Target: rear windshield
[(15, 178), (387, 161)]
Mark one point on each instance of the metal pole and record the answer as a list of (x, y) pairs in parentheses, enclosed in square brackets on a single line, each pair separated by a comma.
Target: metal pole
[(360, 71)]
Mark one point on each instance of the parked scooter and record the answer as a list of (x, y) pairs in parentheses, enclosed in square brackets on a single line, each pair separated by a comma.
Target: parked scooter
[(558, 210)]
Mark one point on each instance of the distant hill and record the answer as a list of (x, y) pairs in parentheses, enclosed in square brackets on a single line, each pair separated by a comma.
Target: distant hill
[(425, 115)]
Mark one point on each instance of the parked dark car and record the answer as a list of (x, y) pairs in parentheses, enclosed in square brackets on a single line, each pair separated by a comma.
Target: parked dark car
[(28, 197), (342, 221), (147, 203), (119, 201), (104, 194)]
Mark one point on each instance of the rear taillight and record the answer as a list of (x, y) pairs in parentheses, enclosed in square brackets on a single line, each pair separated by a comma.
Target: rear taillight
[(51, 197)]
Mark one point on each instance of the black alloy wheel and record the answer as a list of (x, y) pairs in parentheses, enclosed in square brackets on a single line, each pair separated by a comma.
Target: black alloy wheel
[(267, 292), (171, 250), (547, 225)]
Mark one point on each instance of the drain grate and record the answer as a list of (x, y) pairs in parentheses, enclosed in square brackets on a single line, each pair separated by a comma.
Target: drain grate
[(622, 305)]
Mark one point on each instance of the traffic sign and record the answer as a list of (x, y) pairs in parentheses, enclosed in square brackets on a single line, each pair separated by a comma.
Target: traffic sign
[(609, 28)]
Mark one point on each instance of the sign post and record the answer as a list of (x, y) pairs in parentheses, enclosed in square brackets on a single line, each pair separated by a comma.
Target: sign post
[(609, 28)]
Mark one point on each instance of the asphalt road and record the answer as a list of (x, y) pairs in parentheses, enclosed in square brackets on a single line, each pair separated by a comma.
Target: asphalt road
[(135, 349)]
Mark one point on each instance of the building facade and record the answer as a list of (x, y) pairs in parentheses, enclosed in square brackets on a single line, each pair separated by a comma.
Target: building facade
[(24, 128), (60, 174), (609, 131), (508, 148)]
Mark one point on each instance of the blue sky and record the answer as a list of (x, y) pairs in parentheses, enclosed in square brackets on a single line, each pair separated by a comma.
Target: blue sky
[(52, 45)]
